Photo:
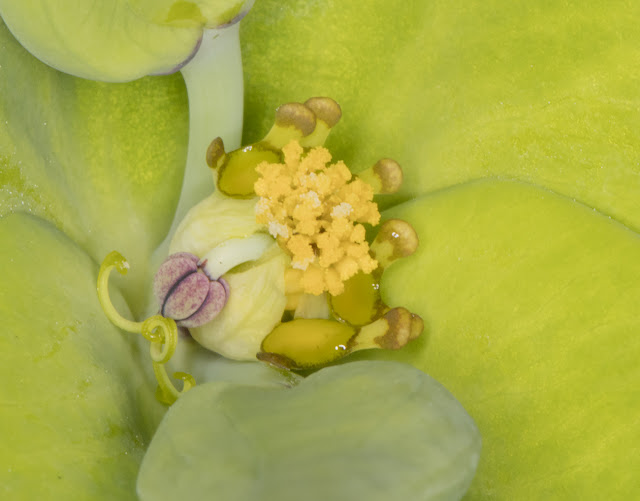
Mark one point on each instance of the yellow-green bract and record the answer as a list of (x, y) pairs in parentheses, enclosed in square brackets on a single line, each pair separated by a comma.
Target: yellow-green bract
[(119, 40), (544, 93)]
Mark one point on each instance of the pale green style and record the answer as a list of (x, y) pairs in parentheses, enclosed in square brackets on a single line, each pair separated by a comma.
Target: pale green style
[(516, 124)]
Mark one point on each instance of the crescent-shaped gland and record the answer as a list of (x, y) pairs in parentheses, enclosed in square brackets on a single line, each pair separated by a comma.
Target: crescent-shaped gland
[(186, 297), (212, 305), (237, 170), (305, 343), (360, 302), (171, 271)]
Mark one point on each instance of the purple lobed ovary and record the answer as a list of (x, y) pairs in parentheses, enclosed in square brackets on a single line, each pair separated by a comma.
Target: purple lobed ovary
[(185, 293)]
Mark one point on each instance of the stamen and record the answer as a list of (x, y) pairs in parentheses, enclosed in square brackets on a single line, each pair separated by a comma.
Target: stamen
[(293, 122), (328, 114), (215, 153), (395, 239), (385, 177), (390, 332)]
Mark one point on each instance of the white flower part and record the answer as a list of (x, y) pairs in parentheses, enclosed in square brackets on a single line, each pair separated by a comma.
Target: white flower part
[(233, 252), (304, 264), (262, 206), (277, 229), (313, 196), (305, 179), (342, 210)]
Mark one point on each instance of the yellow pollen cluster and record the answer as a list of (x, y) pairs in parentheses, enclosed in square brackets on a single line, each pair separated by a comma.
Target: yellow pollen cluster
[(313, 209)]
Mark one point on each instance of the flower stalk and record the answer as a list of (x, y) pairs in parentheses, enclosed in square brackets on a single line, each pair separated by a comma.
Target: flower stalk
[(215, 89)]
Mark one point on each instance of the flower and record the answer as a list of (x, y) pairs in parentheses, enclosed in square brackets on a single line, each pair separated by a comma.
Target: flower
[(515, 125)]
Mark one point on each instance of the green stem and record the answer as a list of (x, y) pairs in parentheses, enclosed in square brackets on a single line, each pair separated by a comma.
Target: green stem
[(215, 89)]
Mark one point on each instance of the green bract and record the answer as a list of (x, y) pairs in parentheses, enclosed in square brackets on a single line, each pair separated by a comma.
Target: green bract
[(368, 430), (76, 413), (116, 40), (73, 155), (532, 328)]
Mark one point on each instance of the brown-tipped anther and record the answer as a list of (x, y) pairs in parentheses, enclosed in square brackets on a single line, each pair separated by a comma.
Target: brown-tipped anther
[(417, 326), (297, 116), (385, 176), (395, 239), (390, 174), (400, 330), (325, 109), (215, 153)]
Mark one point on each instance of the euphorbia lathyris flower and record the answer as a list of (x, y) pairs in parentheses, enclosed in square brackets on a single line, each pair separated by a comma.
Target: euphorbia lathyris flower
[(286, 218)]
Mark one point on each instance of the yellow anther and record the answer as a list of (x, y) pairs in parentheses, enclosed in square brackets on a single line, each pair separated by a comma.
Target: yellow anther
[(314, 209)]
